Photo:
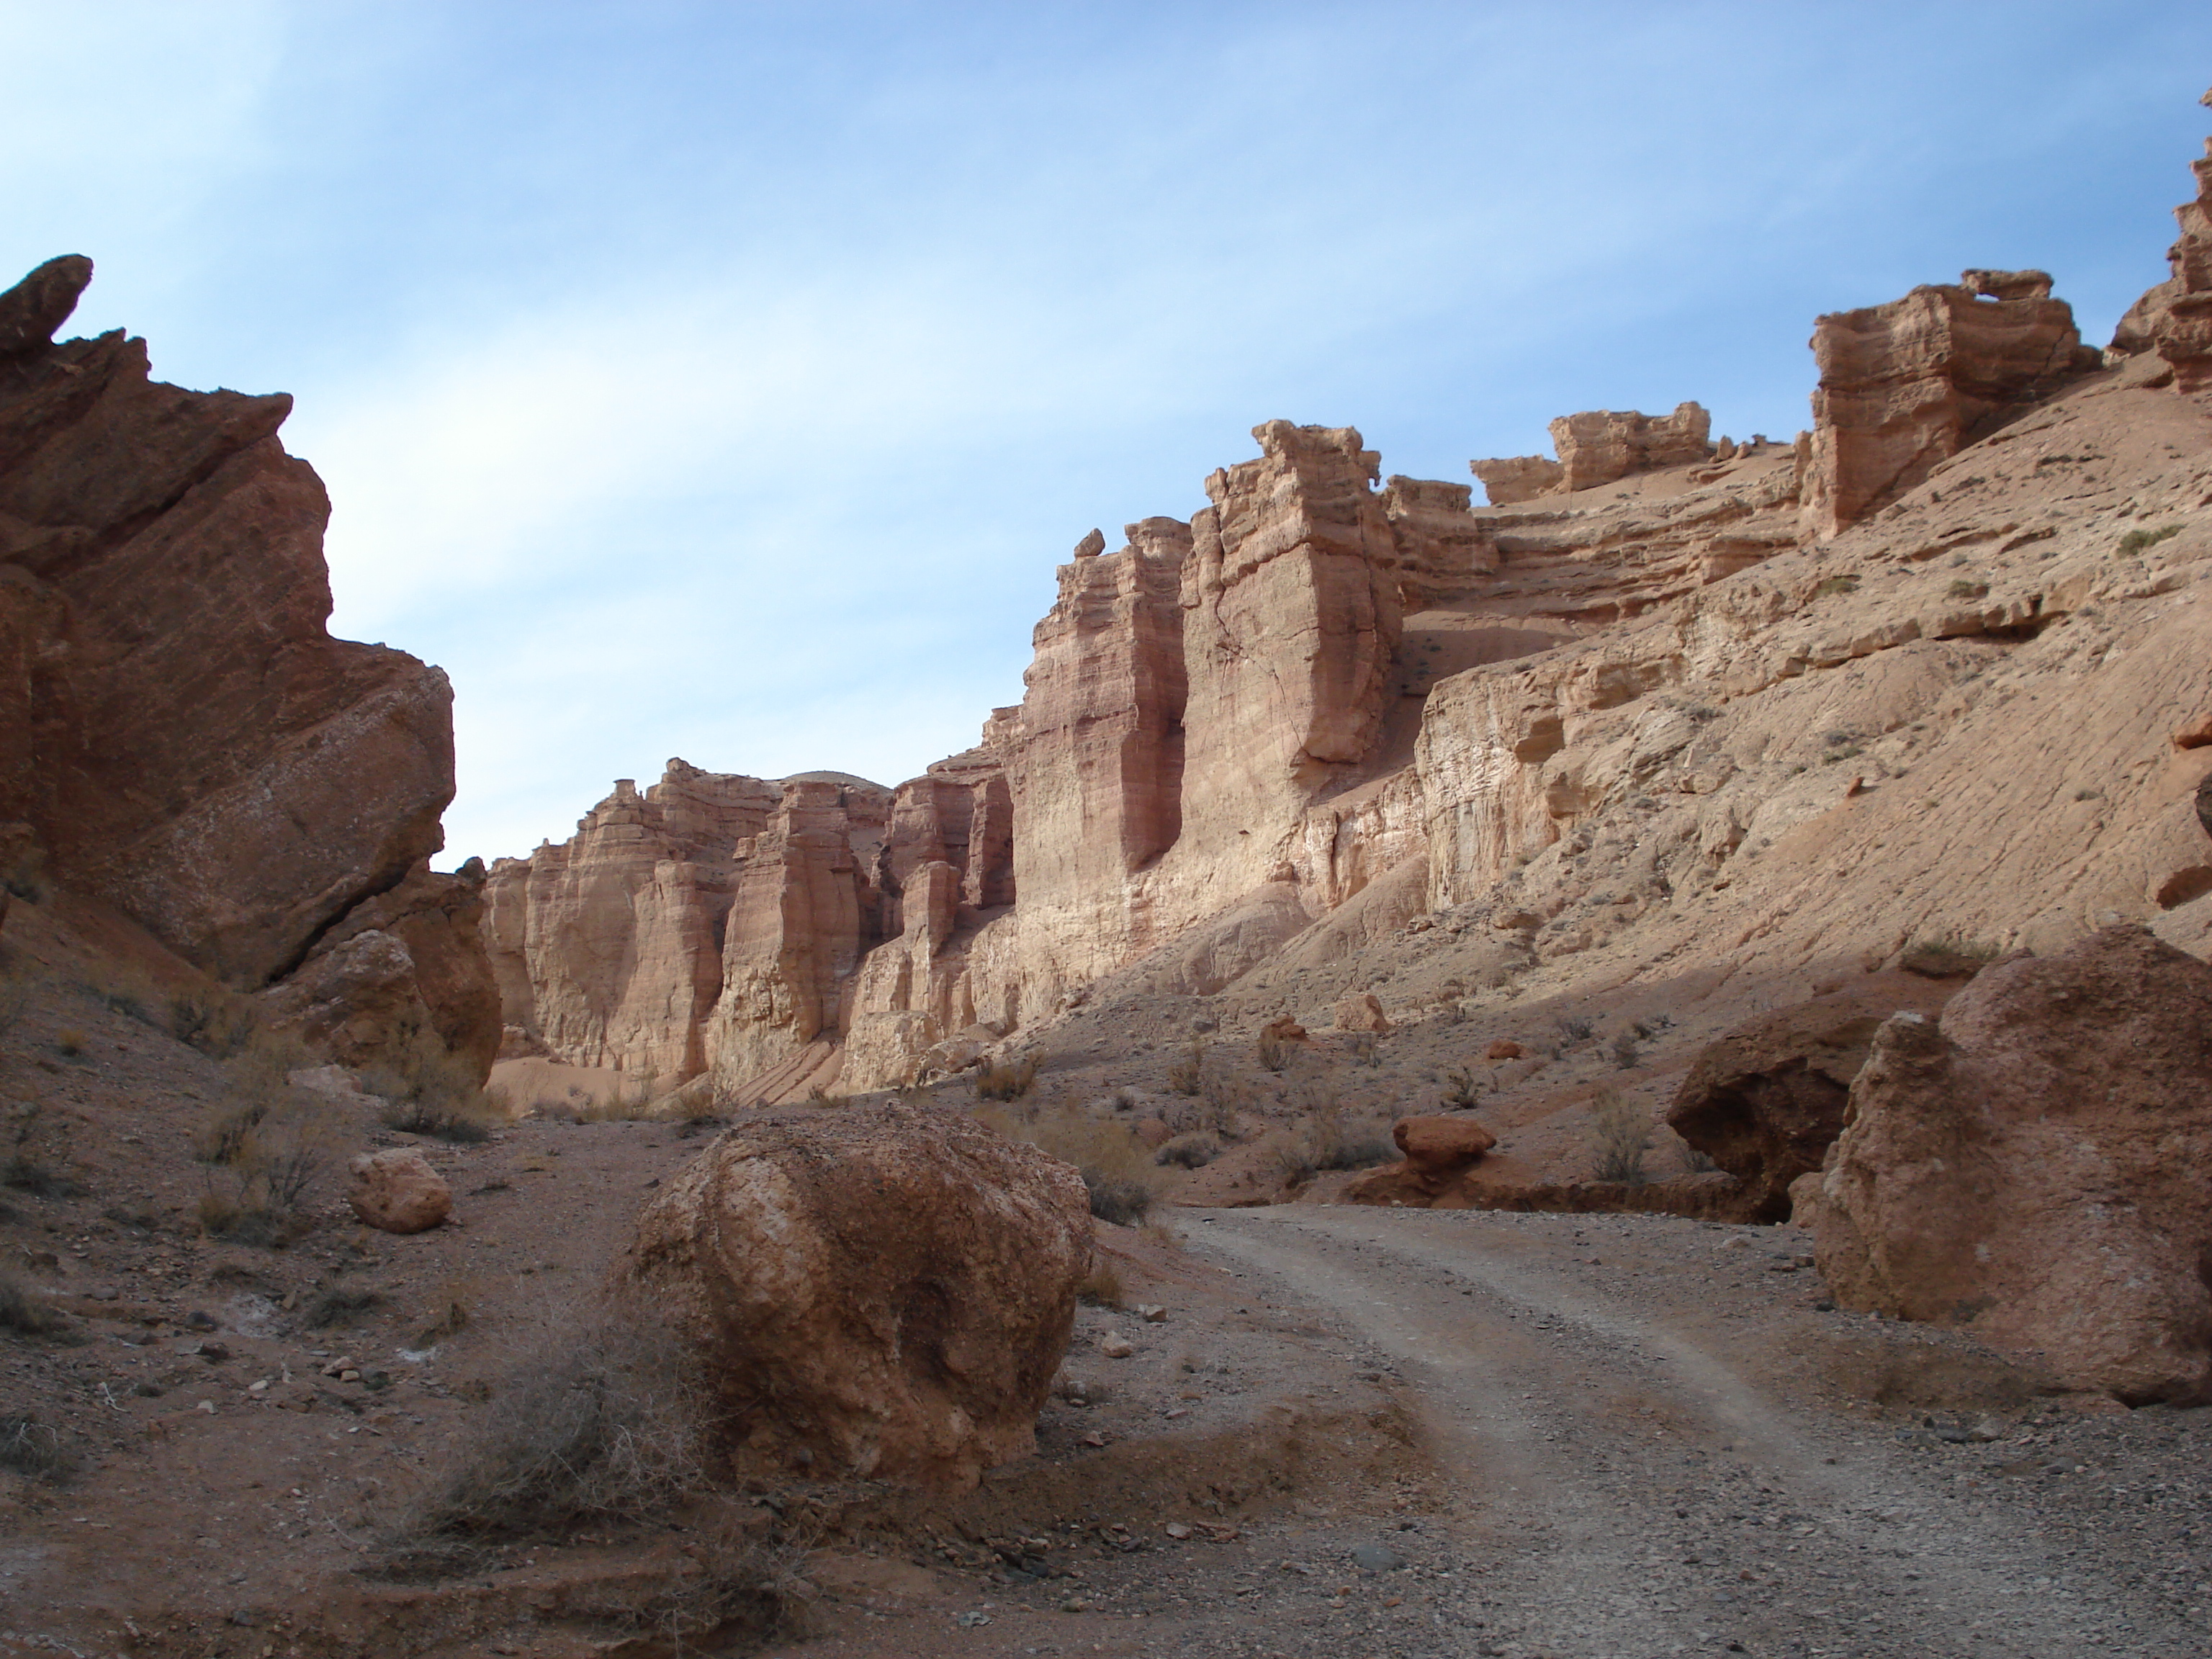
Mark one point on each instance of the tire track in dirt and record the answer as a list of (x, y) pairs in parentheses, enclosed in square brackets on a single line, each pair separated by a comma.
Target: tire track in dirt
[(1632, 1488)]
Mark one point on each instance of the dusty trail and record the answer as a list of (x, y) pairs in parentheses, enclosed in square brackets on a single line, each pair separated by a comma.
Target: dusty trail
[(1629, 1487)]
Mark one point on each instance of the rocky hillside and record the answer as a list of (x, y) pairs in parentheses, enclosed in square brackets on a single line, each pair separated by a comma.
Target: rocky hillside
[(1737, 719), (181, 740)]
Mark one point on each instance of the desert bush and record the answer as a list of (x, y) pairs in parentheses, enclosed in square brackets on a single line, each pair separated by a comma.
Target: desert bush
[(71, 1043), (1006, 1079), (1960, 588), (23, 871), (1624, 1051), (1123, 1201), (1462, 1087), (451, 1311), (1696, 1163), (215, 1021), (1193, 1150), (430, 1089), (338, 1306), (1834, 585), (1651, 1027), (20, 1172), (2136, 541), (1574, 1029), (1366, 1049), (1115, 1164), (1187, 1074), (268, 1148), (1101, 1287), (30, 1448), (15, 981), (1620, 1133), (608, 1422), (1273, 1053)]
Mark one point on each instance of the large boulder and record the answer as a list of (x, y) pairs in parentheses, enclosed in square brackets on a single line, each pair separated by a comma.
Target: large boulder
[(1766, 1100), (882, 1292), (2038, 1167), (396, 1191)]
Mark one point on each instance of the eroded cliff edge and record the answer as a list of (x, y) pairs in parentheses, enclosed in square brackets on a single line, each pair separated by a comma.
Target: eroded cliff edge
[(180, 734)]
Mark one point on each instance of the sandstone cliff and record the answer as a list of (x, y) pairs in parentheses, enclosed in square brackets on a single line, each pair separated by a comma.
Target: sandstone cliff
[(1719, 722), (178, 730)]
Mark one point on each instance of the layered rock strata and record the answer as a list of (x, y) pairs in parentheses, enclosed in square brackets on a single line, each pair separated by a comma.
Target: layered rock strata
[(2175, 318), (177, 726), (1600, 447), (1907, 385)]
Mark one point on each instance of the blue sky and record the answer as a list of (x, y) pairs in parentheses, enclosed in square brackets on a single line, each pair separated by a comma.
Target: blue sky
[(725, 380)]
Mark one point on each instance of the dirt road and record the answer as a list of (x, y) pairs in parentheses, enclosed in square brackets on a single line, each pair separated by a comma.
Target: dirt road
[(1652, 1495)]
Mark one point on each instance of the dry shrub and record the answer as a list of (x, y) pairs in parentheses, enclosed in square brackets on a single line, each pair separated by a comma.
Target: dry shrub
[(1006, 1079), (30, 1448), (338, 1306), (1115, 1165), (1273, 1053), (428, 1089), (1189, 1152), (1186, 1075), (217, 1021), (1620, 1133), (1101, 1287), (16, 982), (1223, 1097), (818, 1096), (608, 1422), (268, 1147), (1625, 1051), (1462, 1087), (1947, 957)]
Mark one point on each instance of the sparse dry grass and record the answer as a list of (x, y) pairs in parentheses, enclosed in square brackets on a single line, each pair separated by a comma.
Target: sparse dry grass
[(1947, 956), (20, 1311), (608, 1421), (1620, 1133), (268, 1147), (30, 1448), (1115, 1165), (1101, 1287)]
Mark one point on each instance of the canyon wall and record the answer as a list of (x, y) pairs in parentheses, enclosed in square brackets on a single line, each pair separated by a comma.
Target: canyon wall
[(182, 736)]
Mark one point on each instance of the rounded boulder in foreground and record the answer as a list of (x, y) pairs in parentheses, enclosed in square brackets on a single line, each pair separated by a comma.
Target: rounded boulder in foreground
[(884, 1291)]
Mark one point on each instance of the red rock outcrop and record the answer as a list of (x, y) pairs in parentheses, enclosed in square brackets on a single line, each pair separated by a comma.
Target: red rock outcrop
[(1600, 447), (800, 919), (2035, 1166), (186, 740), (881, 1293), (2174, 318), (608, 946), (1907, 385), (1766, 1100), (1437, 1151)]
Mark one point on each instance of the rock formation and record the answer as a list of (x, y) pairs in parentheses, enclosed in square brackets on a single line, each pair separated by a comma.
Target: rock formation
[(183, 738), (879, 1293), (607, 947), (2174, 318), (2033, 1167), (1600, 447), (1766, 1100), (396, 1191), (1909, 384)]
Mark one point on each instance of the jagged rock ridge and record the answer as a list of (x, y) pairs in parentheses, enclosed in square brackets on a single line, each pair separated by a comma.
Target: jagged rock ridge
[(184, 738)]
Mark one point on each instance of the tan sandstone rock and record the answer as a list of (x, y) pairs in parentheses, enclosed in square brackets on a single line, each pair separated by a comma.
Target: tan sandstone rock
[(1907, 385), (1765, 1101), (2174, 318), (1362, 1012), (1437, 1151), (1600, 447), (2036, 1167), (882, 1293), (396, 1191)]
